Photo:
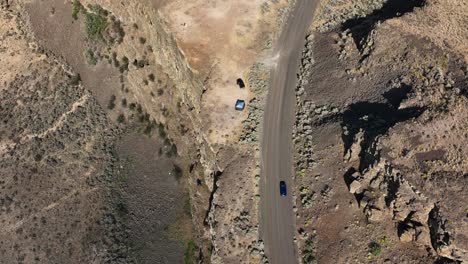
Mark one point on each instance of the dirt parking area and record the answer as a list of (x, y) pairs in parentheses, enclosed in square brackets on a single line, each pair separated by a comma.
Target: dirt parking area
[(221, 40)]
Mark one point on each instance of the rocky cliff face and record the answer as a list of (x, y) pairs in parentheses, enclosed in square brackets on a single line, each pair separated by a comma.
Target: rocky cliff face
[(391, 105), (179, 107)]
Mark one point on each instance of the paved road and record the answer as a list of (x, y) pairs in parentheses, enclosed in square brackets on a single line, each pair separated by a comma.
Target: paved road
[(277, 217)]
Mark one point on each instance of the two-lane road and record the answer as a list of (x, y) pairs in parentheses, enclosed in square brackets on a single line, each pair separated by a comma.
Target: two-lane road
[(277, 216)]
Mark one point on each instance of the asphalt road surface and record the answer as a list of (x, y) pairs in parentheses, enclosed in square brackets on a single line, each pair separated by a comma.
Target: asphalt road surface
[(277, 216)]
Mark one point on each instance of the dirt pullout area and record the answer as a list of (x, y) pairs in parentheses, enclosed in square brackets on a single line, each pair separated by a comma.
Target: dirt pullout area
[(382, 111), (56, 198), (221, 41)]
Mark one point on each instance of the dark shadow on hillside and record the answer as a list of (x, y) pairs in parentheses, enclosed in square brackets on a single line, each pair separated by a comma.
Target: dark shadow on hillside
[(362, 26), (375, 119)]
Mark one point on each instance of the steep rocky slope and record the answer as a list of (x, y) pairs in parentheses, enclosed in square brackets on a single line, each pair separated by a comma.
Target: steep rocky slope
[(381, 167), (55, 166)]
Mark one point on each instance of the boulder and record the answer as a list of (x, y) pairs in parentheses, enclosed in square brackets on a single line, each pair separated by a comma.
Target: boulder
[(355, 187)]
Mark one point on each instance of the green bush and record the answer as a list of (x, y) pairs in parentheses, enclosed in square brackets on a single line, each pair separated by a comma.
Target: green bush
[(77, 7), (374, 250), (96, 22)]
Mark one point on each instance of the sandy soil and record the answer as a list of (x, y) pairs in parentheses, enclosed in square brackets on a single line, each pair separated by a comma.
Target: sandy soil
[(221, 40)]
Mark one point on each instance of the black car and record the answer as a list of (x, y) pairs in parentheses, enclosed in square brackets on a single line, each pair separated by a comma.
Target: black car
[(240, 82), (282, 188)]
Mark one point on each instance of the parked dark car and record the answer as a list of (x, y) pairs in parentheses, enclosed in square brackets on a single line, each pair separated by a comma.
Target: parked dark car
[(240, 82), (283, 188)]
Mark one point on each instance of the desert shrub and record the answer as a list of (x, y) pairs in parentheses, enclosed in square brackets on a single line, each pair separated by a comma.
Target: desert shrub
[(121, 118), (172, 152), (90, 57), (75, 79), (145, 82), (77, 7), (177, 171), (149, 127), (96, 22), (111, 104), (160, 92), (374, 249), (151, 77), (118, 32), (125, 59), (142, 40), (308, 253), (161, 130), (124, 102), (132, 106)]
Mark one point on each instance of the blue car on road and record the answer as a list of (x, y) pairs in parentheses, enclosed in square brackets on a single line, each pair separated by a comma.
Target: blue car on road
[(282, 188)]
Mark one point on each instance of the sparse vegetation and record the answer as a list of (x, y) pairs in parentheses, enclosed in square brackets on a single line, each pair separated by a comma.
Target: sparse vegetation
[(90, 57), (124, 65), (75, 79), (121, 118), (374, 250), (151, 77), (124, 102), (177, 171), (190, 252), (77, 7), (161, 130), (142, 40), (172, 152), (111, 104), (160, 92), (308, 254), (96, 22)]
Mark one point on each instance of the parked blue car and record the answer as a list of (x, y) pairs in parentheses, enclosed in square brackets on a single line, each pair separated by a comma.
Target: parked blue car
[(282, 188)]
